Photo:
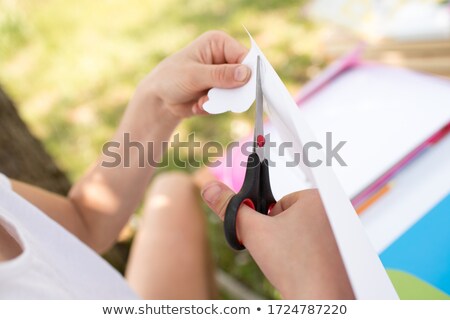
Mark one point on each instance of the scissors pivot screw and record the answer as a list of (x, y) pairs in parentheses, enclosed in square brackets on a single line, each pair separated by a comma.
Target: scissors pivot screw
[(260, 141)]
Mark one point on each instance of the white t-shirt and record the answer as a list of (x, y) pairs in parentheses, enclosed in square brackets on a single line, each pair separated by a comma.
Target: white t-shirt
[(54, 264)]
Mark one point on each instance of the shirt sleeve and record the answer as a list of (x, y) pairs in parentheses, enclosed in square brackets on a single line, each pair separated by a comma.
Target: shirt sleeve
[(4, 181)]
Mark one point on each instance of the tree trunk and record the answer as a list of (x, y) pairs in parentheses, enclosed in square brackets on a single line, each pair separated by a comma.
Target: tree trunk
[(22, 156)]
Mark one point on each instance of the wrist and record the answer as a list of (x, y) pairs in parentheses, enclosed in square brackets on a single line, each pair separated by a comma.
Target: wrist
[(147, 99), (146, 118)]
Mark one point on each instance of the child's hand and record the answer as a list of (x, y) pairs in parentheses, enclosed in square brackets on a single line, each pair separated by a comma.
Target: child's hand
[(294, 246), (182, 80)]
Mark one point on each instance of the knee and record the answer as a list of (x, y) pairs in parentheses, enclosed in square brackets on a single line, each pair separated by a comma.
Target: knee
[(176, 189), (172, 182), (173, 195)]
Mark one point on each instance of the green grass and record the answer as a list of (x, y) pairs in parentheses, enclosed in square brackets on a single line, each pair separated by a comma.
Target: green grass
[(71, 66)]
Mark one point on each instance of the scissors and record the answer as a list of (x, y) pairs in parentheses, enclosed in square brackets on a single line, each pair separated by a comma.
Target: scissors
[(255, 192)]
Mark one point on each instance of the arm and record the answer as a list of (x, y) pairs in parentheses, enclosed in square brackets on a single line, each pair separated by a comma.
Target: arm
[(294, 246), (101, 202)]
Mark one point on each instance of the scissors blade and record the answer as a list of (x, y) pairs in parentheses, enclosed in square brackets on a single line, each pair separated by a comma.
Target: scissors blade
[(259, 129)]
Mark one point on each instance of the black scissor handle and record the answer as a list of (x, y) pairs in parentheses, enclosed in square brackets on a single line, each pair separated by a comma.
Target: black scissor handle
[(230, 221), (255, 192), (249, 193), (266, 198)]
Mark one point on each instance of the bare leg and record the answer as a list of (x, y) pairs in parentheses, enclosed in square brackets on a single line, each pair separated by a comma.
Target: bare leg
[(170, 258)]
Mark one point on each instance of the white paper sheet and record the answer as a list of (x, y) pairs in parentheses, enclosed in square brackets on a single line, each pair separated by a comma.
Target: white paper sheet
[(415, 191), (366, 273), (372, 108)]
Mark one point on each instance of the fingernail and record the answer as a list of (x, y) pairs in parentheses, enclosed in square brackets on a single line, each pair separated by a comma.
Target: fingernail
[(211, 193), (241, 73)]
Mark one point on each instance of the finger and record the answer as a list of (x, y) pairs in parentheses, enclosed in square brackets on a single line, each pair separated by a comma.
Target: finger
[(276, 210), (223, 76), (217, 195), (202, 100), (197, 108), (287, 201), (221, 48)]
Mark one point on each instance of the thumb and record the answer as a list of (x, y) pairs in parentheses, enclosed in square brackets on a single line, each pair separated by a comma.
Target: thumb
[(225, 75), (217, 195)]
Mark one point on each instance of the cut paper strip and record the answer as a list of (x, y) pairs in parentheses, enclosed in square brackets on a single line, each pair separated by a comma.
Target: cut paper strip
[(367, 275)]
